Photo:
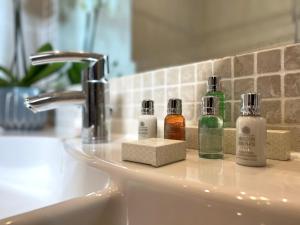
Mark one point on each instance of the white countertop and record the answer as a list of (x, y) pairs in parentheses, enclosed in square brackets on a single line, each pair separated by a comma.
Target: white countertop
[(276, 186)]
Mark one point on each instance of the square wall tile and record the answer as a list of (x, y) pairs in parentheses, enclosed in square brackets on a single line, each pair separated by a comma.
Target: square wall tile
[(226, 87), (188, 111), (188, 93), (159, 96), (198, 112), (128, 98), (114, 85), (172, 76), (187, 73), (269, 61), (137, 97), (159, 78), (269, 86), (172, 92), (126, 83), (137, 111), (137, 81), (204, 70), (160, 111), (147, 94), (227, 117), (236, 112), (292, 85), (271, 111), (244, 65), (201, 90), (222, 67), (292, 57), (147, 80), (242, 86), (292, 111)]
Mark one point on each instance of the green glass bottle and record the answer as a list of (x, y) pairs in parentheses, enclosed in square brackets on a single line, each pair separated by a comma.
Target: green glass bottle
[(214, 89), (210, 129)]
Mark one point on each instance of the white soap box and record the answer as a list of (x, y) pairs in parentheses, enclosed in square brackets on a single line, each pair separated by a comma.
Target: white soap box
[(154, 151)]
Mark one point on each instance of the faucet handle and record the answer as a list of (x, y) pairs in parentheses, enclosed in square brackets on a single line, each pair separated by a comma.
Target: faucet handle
[(98, 63)]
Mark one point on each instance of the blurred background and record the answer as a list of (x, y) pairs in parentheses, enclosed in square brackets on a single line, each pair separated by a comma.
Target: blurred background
[(141, 35), (138, 35)]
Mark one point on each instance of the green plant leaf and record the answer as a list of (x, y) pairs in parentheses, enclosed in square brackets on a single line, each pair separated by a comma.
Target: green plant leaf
[(45, 48), (47, 71), (4, 83), (8, 74), (34, 70), (74, 72)]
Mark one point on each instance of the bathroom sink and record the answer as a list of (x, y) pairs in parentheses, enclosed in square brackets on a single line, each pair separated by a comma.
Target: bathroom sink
[(76, 183), (36, 172), (199, 191)]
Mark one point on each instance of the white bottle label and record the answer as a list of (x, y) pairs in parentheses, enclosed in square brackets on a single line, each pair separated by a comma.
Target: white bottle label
[(246, 145), (250, 141), (148, 128)]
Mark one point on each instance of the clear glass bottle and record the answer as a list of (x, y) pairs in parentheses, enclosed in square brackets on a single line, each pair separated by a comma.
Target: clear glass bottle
[(251, 132), (210, 129), (174, 122), (147, 121), (214, 89)]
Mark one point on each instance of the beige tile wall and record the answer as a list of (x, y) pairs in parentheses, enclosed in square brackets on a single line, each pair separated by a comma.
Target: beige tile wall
[(274, 73)]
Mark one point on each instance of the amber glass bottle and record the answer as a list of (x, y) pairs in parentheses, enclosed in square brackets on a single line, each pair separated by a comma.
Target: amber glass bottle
[(174, 121)]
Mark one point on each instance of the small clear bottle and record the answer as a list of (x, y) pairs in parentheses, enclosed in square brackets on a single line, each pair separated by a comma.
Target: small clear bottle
[(147, 121), (251, 132), (210, 129), (174, 122), (214, 89)]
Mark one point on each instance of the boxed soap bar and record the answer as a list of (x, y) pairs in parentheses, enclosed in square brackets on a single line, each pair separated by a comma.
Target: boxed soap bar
[(154, 151)]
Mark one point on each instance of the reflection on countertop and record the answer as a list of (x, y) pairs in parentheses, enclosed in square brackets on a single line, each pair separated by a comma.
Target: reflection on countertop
[(278, 184)]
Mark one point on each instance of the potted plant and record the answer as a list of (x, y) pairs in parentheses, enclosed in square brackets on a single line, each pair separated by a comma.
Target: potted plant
[(13, 90)]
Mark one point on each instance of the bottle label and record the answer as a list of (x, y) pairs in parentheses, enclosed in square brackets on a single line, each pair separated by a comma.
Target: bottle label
[(211, 140), (147, 129), (143, 130), (246, 145), (175, 131)]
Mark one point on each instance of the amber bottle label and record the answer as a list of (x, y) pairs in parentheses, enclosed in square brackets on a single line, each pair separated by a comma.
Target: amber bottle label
[(174, 131)]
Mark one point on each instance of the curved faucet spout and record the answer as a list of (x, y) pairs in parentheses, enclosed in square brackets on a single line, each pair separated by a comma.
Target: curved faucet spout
[(94, 96), (53, 100)]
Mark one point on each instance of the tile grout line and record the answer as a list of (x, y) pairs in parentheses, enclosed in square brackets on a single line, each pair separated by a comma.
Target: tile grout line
[(232, 92), (282, 75), (195, 92), (255, 71)]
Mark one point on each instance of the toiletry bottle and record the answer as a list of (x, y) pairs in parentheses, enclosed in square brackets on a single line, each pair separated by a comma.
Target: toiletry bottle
[(174, 121), (251, 132), (214, 89), (210, 129), (147, 121)]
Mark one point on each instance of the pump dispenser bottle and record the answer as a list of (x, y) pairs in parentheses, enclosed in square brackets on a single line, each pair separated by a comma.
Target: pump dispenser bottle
[(251, 132), (174, 121), (147, 121), (214, 89), (210, 129)]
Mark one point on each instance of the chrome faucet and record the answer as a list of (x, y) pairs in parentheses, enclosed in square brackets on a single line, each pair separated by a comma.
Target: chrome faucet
[(94, 96)]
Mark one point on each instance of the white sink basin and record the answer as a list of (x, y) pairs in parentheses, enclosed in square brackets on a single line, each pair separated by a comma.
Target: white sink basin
[(199, 191), (36, 172)]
